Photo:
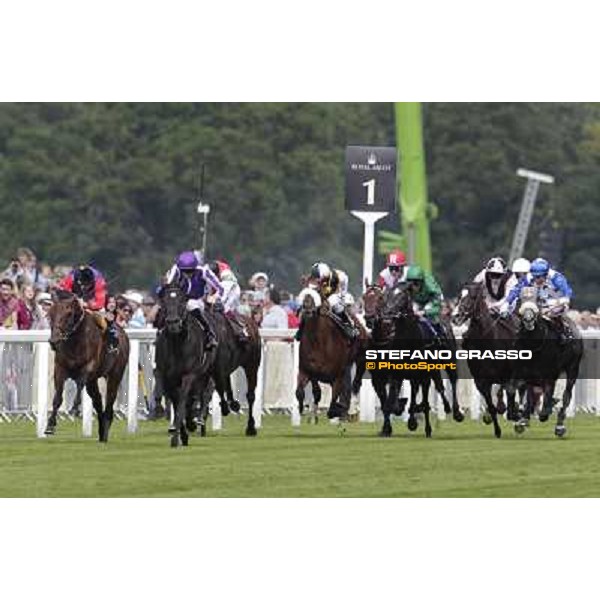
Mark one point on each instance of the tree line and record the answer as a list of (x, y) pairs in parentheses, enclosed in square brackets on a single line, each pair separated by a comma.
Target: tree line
[(116, 183)]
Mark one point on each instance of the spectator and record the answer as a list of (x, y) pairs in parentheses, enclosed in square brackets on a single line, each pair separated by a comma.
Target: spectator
[(41, 319), (14, 272), (27, 307), (274, 316), (150, 310), (8, 305), (259, 282), (123, 312), (32, 274), (291, 308), (135, 299), (244, 307)]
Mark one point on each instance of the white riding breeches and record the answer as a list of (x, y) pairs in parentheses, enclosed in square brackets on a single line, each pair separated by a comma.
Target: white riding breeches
[(193, 304)]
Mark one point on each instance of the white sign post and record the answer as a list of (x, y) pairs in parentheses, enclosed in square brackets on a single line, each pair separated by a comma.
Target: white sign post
[(369, 219)]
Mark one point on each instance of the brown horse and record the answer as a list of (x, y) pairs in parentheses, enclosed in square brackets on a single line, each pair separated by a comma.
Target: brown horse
[(82, 355), (326, 355)]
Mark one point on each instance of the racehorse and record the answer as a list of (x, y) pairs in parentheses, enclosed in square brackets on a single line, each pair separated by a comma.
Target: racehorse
[(550, 357), (408, 334), (232, 354), (182, 362), (326, 355), (381, 308), (382, 333), (487, 333), (81, 349)]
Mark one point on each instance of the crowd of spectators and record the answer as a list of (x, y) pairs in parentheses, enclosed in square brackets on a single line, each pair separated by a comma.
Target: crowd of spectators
[(26, 288)]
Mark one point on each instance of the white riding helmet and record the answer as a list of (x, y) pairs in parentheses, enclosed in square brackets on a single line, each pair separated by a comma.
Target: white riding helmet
[(496, 265), (343, 277), (320, 270), (521, 265)]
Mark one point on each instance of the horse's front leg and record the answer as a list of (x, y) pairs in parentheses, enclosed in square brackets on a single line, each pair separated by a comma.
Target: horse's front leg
[(380, 387), (60, 376), (412, 423), (546, 411), (316, 392), (300, 394), (425, 384), (485, 389)]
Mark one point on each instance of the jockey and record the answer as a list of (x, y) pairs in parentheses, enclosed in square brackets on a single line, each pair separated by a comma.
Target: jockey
[(427, 298), (395, 270), (332, 284), (231, 297), (497, 282), (89, 285), (553, 291), (197, 282), (520, 268)]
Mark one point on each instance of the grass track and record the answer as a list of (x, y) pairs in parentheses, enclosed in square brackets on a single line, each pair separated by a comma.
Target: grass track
[(462, 460)]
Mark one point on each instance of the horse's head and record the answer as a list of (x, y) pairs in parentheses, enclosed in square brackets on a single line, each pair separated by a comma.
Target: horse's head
[(310, 301), (398, 302), (469, 303), (65, 315), (373, 303), (529, 310), (173, 303)]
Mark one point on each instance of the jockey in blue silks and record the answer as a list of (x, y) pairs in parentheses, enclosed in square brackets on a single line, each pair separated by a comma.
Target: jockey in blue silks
[(197, 282), (553, 291)]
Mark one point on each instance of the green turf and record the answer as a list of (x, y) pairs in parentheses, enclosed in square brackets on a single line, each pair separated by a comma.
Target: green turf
[(460, 460)]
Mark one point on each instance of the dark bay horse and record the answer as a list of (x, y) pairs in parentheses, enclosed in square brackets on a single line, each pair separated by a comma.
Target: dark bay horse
[(327, 356), (487, 332), (550, 358), (81, 349), (232, 354), (390, 317), (182, 362)]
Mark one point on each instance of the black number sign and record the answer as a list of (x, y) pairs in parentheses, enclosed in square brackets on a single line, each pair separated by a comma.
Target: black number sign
[(371, 178)]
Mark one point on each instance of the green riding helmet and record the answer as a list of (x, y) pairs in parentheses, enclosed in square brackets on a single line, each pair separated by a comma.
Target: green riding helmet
[(415, 273)]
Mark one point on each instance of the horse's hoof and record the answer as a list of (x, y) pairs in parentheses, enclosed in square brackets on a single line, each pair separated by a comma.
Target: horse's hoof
[(225, 409), (174, 442), (172, 430), (412, 423), (191, 425), (428, 432), (396, 410), (519, 428), (50, 431), (544, 417), (458, 416), (185, 442), (560, 431), (498, 433), (385, 433), (487, 418), (251, 431), (234, 405), (447, 408)]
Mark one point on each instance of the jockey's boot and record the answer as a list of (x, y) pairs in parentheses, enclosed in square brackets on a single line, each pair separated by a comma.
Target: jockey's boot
[(563, 330), (299, 332), (113, 337), (239, 330), (211, 338), (346, 324)]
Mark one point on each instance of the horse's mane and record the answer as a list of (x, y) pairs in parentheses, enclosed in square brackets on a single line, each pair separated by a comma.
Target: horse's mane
[(62, 295)]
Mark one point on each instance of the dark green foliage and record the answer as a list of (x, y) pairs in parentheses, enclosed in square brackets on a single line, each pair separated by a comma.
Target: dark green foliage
[(114, 183)]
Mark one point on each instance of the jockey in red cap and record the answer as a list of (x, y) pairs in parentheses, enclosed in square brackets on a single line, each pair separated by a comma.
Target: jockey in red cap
[(89, 285), (395, 270)]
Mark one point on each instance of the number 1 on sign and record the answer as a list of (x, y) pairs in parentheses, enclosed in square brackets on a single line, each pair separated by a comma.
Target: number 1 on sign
[(370, 185)]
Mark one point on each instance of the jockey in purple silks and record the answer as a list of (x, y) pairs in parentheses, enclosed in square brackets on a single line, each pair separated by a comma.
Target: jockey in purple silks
[(197, 282)]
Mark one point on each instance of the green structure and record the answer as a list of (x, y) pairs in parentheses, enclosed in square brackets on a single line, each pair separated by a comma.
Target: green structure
[(415, 209)]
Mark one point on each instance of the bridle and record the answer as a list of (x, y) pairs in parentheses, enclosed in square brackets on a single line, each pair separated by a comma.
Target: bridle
[(65, 335)]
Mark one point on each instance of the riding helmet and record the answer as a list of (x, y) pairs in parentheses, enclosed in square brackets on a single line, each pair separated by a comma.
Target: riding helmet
[(539, 267), (415, 273)]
